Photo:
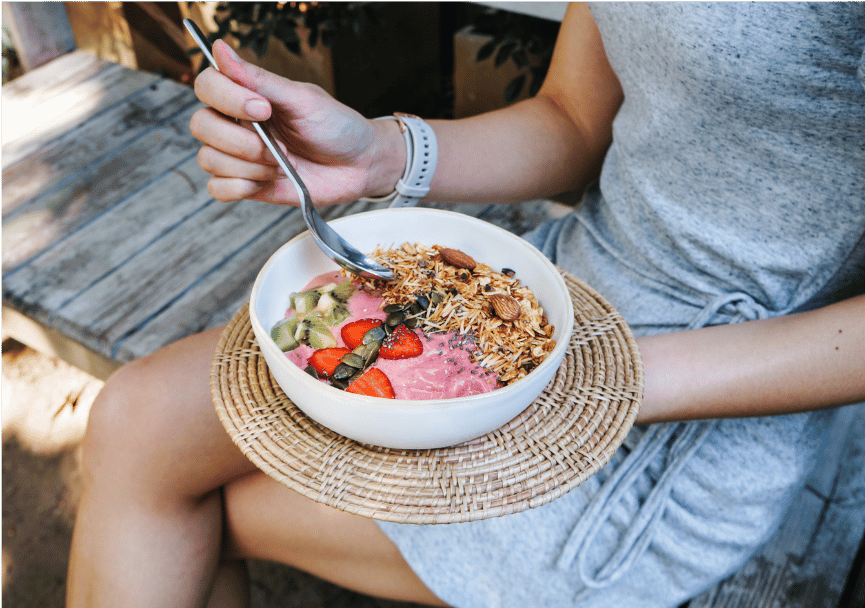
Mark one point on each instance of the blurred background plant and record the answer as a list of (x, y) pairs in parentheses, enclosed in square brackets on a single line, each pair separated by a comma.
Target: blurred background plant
[(254, 23), (526, 42)]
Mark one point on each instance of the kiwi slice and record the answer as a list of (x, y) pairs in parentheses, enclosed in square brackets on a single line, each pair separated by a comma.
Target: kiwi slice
[(283, 334), (335, 315), (313, 331), (305, 302), (343, 291)]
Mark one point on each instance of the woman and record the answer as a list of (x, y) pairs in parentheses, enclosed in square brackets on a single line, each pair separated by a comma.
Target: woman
[(728, 227)]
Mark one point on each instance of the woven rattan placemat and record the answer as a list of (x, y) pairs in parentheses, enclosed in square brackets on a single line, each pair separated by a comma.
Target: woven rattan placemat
[(562, 439)]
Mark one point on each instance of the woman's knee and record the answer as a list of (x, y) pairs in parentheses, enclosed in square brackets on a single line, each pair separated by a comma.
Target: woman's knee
[(120, 430), (154, 423)]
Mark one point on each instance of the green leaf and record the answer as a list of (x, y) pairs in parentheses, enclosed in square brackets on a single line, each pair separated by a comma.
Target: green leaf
[(515, 86), (486, 50), (504, 53)]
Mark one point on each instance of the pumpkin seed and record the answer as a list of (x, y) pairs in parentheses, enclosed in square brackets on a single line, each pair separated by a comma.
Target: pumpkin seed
[(377, 333), (371, 353), (422, 301), (355, 361), (311, 371), (394, 308), (412, 322), (395, 318), (343, 371)]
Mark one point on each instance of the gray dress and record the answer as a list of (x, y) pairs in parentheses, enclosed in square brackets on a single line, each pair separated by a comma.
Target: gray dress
[(734, 190)]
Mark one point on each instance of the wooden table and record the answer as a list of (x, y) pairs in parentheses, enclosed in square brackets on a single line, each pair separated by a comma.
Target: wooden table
[(112, 248)]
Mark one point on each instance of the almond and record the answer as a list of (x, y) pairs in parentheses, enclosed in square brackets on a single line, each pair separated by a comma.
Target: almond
[(457, 258), (506, 307)]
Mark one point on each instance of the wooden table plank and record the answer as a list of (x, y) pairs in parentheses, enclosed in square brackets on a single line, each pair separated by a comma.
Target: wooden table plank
[(46, 220), (53, 110), (97, 132), (54, 77), (120, 303), (60, 178), (220, 294), (214, 299), (112, 239)]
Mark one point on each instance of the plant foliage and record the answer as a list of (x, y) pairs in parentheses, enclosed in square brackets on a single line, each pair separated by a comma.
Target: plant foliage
[(253, 23), (526, 41)]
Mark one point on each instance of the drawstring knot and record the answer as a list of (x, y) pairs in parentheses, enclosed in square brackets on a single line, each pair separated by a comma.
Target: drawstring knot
[(683, 438), (744, 308)]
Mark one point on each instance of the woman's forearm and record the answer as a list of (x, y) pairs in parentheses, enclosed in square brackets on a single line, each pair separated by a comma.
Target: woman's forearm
[(526, 151), (542, 146), (788, 364)]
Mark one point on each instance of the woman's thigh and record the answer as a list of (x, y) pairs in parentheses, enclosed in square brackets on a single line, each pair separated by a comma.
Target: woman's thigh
[(266, 520), (154, 426)]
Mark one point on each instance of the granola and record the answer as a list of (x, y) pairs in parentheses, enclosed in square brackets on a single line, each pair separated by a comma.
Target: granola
[(462, 301)]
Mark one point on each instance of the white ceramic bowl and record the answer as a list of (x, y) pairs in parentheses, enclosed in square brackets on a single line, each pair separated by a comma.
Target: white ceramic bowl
[(402, 423)]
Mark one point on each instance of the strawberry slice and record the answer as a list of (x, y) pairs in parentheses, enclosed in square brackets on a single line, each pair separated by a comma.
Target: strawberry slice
[(352, 333), (403, 343), (325, 360), (373, 382)]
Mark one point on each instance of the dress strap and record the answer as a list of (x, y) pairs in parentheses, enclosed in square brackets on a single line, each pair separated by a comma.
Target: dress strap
[(681, 439)]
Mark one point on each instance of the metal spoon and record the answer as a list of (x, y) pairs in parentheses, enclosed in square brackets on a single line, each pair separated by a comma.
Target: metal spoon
[(333, 245)]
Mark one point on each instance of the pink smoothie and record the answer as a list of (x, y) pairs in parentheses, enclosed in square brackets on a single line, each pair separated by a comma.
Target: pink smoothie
[(443, 371)]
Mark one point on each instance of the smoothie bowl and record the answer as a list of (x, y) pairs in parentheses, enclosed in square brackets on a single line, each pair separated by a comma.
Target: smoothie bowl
[(469, 335)]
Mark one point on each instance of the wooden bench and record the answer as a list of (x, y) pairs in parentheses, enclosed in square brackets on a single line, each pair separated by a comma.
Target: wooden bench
[(113, 248)]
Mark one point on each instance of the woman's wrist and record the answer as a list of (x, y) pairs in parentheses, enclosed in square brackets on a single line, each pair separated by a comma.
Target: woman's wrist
[(387, 158)]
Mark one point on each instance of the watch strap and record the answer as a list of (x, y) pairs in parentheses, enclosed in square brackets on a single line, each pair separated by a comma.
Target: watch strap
[(421, 161)]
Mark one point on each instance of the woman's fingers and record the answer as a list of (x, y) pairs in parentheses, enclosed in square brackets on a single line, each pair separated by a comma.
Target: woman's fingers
[(220, 133), (220, 164), (227, 189)]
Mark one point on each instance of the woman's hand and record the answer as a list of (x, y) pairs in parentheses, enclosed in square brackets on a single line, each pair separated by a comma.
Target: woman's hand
[(339, 154)]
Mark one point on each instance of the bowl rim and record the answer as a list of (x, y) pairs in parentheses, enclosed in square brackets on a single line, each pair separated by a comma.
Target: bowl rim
[(375, 403)]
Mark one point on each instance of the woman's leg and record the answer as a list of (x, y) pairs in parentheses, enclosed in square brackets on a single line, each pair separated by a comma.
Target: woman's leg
[(149, 524), (150, 520), (266, 520)]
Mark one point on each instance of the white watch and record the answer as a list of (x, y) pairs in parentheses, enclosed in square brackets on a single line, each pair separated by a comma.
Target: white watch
[(420, 164)]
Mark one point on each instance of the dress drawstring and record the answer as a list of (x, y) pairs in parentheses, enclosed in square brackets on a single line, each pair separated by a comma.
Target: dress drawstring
[(683, 438)]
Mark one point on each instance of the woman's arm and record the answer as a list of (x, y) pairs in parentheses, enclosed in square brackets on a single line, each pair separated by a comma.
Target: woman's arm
[(544, 145), (799, 362)]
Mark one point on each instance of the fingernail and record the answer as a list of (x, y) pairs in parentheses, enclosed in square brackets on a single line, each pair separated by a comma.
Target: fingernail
[(258, 109)]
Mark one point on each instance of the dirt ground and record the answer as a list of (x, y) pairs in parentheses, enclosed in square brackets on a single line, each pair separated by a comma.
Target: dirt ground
[(45, 404)]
